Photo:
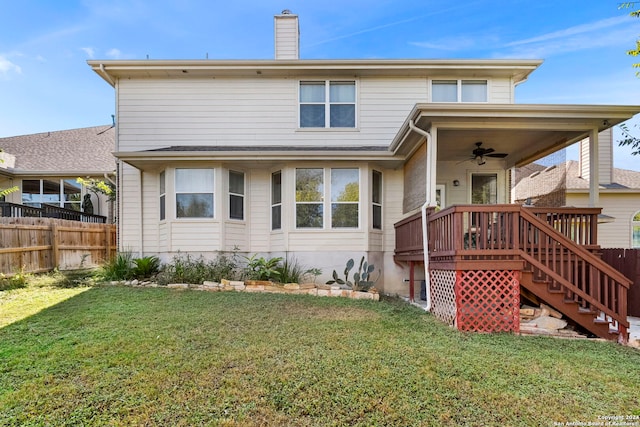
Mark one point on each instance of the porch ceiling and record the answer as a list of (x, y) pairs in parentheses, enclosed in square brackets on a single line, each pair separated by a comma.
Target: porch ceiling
[(525, 132)]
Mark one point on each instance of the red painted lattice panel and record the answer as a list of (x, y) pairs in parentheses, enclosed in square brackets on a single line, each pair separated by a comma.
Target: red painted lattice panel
[(488, 300)]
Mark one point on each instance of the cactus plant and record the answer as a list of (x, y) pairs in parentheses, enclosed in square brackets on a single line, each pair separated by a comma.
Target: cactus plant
[(361, 278)]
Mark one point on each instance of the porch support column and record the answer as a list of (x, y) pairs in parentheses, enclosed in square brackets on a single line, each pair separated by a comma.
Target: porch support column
[(594, 169)]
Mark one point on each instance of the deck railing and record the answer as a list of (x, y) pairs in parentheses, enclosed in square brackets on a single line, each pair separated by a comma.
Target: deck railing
[(554, 244), (13, 210)]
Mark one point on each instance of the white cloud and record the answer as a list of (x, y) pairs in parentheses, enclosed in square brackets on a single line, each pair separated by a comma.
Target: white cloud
[(114, 53), (7, 67), (455, 43), (89, 51)]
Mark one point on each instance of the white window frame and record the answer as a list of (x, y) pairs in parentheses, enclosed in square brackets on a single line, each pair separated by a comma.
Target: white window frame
[(459, 84), (375, 204), (276, 204), (61, 202), (212, 192), (238, 195), (327, 103), (326, 200), (162, 187)]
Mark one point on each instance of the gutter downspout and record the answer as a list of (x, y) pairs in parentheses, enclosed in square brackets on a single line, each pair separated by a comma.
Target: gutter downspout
[(431, 152)]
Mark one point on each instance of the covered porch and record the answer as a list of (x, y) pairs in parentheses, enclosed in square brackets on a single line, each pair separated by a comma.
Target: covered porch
[(481, 254)]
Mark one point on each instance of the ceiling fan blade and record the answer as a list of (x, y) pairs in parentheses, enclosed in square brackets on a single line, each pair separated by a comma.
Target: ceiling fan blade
[(498, 155), (488, 150)]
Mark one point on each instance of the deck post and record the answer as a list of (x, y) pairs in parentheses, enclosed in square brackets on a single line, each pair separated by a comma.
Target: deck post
[(411, 279)]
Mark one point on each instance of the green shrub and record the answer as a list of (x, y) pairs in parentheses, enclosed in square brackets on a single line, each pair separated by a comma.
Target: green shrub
[(146, 267), (262, 268), (291, 271), (17, 281), (186, 269), (120, 267)]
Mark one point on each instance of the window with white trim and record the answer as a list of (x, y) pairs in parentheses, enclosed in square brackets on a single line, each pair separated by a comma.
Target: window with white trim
[(236, 195), (459, 91), (327, 104), (194, 193), (276, 200), (163, 204), (343, 203), (65, 193), (635, 230), (376, 199)]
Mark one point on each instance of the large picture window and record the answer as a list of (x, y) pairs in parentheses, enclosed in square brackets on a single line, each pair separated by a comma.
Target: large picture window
[(343, 203), (345, 198), (194, 193), (309, 198), (459, 91), (327, 104)]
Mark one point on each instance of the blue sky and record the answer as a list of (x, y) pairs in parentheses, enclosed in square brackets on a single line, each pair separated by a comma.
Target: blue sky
[(45, 83)]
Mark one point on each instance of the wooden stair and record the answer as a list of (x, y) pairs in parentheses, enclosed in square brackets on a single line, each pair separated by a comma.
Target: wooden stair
[(588, 318)]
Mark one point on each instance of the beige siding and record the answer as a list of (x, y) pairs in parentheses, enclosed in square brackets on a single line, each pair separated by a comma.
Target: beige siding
[(501, 91), (391, 206), (195, 236), (233, 112), (622, 207), (129, 222), (287, 35), (236, 236), (150, 212), (259, 210), (605, 157)]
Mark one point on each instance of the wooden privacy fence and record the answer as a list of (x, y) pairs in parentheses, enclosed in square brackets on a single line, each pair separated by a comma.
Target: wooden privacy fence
[(627, 262), (35, 245)]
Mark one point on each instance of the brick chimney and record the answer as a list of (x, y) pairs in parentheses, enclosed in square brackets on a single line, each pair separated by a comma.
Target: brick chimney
[(287, 35)]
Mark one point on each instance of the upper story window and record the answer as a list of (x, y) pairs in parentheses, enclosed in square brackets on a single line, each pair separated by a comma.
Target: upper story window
[(327, 104), (194, 193), (459, 91)]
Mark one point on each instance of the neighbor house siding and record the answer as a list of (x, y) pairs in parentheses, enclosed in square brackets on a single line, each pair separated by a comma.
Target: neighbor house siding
[(621, 206)]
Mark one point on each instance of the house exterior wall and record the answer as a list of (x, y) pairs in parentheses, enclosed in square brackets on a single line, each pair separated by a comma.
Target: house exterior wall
[(621, 206), (263, 111)]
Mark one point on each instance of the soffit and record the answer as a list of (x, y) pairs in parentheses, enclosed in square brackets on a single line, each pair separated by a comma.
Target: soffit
[(519, 70), (525, 132)]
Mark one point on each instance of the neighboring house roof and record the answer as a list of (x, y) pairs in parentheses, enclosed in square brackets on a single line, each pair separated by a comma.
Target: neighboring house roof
[(83, 150), (567, 176)]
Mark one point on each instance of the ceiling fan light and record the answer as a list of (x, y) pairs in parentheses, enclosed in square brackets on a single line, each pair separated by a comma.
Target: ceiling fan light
[(480, 161)]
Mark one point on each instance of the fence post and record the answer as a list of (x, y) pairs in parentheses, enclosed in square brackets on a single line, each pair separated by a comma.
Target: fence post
[(107, 236), (55, 253)]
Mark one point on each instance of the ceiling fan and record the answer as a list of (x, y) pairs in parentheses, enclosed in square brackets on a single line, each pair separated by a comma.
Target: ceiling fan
[(479, 153)]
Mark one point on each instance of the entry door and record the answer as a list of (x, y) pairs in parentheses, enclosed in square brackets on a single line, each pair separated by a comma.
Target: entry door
[(484, 188)]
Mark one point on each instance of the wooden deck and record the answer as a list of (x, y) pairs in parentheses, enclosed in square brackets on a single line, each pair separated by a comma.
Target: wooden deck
[(555, 250)]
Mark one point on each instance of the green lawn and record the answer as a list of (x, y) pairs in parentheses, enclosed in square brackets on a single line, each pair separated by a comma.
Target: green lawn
[(134, 356)]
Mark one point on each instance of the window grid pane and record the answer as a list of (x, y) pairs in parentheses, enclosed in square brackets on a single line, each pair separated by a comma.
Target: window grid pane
[(376, 198), (276, 200), (194, 193), (474, 91), (444, 91)]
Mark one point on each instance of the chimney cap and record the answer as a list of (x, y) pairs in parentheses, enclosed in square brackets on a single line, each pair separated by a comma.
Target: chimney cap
[(286, 12)]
